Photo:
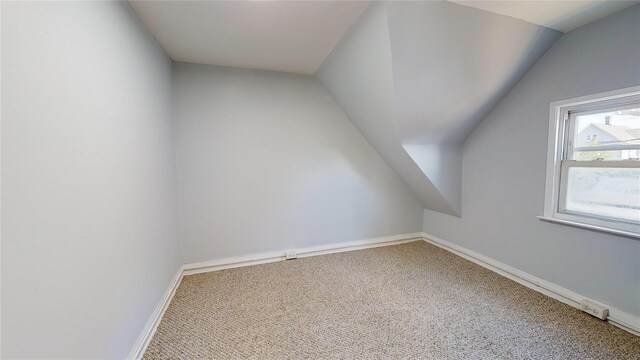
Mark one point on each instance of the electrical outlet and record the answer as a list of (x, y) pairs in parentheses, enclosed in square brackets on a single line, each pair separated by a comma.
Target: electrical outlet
[(290, 254), (594, 309)]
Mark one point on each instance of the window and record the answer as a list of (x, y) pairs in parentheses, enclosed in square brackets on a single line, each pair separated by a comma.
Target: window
[(593, 167)]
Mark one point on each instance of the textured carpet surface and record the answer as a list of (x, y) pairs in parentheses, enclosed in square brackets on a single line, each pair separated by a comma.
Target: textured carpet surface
[(410, 301)]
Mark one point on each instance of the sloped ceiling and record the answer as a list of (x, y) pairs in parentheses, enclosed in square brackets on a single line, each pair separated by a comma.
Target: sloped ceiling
[(358, 73), (562, 16), (414, 77), (436, 70)]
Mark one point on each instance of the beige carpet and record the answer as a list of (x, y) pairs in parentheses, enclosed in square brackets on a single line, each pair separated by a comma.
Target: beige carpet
[(410, 301)]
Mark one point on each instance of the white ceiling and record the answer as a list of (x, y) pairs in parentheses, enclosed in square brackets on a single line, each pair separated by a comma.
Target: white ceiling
[(269, 35), (296, 36), (563, 16)]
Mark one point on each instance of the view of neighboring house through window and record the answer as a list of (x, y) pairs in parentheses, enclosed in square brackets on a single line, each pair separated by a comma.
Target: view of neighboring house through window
[(594, 163), (609, 186)]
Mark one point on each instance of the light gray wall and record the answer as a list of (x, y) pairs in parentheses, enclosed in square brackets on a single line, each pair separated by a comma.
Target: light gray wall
[(268, 161), (504, 165), (89, 219)]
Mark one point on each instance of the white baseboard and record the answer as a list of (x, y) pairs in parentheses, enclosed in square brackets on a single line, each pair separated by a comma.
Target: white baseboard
[(150, 328), (233, 262), (619, 318), (272, 256)]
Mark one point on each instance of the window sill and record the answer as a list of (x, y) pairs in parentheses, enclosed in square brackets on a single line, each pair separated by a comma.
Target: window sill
[(591, 227)]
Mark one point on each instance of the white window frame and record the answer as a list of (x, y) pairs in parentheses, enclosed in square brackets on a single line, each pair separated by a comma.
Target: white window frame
[(559, 134)]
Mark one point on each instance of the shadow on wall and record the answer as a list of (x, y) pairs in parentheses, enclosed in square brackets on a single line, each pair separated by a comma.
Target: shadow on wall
[(352, 184), (443, 165)]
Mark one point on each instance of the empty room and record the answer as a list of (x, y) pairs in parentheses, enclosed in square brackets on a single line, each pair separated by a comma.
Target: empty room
[(320, 179)]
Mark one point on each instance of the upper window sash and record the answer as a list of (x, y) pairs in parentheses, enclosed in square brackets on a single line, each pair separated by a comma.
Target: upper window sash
[(571, 125)]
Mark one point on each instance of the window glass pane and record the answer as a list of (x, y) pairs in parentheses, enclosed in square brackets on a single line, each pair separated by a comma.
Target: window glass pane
[(606, 192), (612, 135)]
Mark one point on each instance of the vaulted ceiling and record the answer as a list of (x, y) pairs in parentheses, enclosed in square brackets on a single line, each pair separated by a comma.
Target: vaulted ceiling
[(414, 77), (296, 36)]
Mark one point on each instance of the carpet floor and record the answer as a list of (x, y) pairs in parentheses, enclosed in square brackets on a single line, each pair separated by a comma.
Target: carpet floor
[(409, 301)]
